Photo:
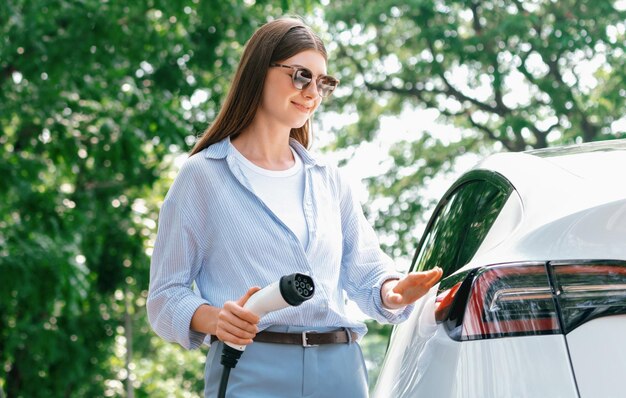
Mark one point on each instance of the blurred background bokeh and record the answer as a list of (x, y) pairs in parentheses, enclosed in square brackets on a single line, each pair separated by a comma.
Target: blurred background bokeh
[(100, 100)]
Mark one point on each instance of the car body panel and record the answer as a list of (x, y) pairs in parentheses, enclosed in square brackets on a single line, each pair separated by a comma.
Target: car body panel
[(598, 354), (437, 366), (597, 232)]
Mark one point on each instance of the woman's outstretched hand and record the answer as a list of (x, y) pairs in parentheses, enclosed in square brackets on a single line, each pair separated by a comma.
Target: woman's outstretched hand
[(236, 324), (400, 293)]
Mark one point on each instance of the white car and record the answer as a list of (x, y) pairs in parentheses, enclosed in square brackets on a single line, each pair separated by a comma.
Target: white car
[(533, 298)]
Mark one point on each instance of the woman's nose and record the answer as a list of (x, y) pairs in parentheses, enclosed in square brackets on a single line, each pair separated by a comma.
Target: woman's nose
[(311, 91)]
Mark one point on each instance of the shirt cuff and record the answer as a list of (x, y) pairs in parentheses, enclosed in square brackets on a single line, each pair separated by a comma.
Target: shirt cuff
[(185, 309)]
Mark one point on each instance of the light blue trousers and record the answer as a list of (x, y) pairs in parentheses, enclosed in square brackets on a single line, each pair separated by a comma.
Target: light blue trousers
[(268, 370)]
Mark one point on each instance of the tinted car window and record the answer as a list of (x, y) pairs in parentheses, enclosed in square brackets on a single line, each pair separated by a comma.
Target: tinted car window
[(486, 210), (460, 225)]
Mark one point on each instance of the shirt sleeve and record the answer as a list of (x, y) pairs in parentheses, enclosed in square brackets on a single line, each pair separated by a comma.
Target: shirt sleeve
[(176, 261), (365, 267)]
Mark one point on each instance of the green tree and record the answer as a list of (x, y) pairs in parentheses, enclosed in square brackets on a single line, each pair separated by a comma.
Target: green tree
[(95, 98), (511, 75)]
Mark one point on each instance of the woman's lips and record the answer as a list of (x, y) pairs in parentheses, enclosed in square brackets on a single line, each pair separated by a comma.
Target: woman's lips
[(301, 107)]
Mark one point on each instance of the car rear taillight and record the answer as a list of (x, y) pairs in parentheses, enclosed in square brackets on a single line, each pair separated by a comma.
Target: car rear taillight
[(589, 290), (510, 301), (531, 298)]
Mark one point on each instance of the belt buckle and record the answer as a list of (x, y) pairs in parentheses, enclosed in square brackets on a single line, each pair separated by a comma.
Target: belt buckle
[(305, 339)]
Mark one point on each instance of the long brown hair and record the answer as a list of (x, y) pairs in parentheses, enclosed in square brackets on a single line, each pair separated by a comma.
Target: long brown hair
[(275, 41)]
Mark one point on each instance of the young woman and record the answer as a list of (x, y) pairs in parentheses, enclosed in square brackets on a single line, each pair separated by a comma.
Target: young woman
[(250, 205)]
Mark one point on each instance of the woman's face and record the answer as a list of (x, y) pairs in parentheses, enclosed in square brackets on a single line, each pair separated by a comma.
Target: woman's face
[(284, 104)]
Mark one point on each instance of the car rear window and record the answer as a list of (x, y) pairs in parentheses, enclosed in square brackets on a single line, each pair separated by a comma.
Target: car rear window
[(459, 226)]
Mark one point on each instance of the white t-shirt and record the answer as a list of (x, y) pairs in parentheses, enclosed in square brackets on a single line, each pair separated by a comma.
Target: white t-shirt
[(282, 191)]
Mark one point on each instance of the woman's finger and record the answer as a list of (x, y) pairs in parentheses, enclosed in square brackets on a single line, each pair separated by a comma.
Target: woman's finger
[(424, 278), (243, 299), (412, 280), (414, 286), (236, 316), (236, 330), (435, 275), (232, 338), (241, 313)]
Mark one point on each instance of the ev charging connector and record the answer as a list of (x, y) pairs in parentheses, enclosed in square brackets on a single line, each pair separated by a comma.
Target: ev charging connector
[(289, 290)]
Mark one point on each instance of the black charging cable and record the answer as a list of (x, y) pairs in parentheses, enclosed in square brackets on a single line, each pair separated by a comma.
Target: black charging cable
[(230, 356)]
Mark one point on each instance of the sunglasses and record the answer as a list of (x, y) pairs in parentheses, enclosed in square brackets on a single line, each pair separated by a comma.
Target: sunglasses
[(302, 77)]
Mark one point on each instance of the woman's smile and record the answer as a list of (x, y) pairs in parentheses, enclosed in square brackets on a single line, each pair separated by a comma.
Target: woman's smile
[(302, 108)]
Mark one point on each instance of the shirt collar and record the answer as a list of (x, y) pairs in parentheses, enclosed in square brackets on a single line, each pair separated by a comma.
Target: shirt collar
[(223, 148), (219, 150)]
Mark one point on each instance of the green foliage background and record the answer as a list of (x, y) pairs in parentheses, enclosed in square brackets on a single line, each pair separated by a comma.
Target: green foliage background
[(97, 98), (95, 101), (509, 74)]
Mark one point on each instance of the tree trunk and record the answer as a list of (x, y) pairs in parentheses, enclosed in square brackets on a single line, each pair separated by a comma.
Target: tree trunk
[(128, 332)]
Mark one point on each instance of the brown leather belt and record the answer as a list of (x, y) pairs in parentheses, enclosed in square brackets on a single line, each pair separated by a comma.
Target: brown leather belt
[(305, 339)]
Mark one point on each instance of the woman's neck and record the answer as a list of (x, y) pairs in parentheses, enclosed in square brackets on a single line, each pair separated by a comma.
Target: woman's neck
[(267, 149)]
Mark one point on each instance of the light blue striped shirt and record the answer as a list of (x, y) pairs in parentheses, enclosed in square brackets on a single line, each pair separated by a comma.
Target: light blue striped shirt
[(214, 231)]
